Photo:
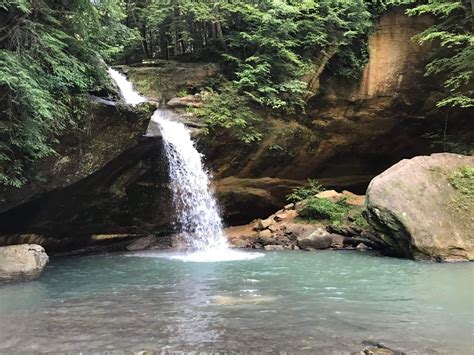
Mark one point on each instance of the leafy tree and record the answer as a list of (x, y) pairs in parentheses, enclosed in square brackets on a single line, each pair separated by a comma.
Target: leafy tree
[(49, 60), (454, 58)]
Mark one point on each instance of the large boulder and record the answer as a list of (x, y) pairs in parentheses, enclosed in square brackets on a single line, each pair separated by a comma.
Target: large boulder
[(22, 262), (420, 210)]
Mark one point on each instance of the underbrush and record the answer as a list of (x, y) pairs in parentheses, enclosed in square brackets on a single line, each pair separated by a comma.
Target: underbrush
[(323, 209)]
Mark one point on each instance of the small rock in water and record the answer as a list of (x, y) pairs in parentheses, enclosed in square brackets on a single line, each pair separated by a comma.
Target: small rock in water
[(337, 241), (272, 247), (372, 350), (319, 239), (142, 243), (22, 262), (362, 247)]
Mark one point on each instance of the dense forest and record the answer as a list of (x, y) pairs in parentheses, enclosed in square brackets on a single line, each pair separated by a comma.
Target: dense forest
[(53, 54)]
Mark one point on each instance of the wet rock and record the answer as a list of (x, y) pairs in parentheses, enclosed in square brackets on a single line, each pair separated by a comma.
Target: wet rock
[(372, 350), (337, 241), (178, 242), (272, 247), (241, 236), (186, 101), (416, 210), (319, 239), (149, 242), (297, 230), (378, 348), (266, 237), (362, 247), (22, 262)]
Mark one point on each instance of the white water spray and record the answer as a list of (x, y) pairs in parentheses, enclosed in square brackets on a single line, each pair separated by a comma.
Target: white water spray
[(196, 207), (129, 95), (197, 210)]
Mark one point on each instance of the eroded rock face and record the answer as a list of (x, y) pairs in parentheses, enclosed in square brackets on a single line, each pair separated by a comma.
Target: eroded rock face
[(22, 262), (109, 180), (352, 131), (414, 206)]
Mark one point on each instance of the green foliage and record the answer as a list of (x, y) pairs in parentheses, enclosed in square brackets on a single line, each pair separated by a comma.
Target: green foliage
[(49, 61), (448, 143), (350, 60), (463, 181), (303, 193), (454, 59), (227, 110), (266, 47), (359, 221), (321, 208)]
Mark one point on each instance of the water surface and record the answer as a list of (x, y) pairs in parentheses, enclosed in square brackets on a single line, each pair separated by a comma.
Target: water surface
[(309, 302)]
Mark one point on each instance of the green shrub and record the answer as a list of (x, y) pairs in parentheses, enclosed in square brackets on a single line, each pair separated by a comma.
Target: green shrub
[(303, 193), (229, 110), (321, 208)]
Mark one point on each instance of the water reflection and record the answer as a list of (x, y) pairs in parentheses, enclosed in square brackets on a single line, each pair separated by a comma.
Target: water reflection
[(309, 302)]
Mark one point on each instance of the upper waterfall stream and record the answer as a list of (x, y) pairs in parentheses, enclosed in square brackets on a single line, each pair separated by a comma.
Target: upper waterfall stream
[(196, 208), (129, 95)]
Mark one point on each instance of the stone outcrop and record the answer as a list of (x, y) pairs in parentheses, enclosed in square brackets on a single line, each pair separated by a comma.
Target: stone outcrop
[(418, 210), (185, 101), (22, 262), (163, 79), (109, 180)]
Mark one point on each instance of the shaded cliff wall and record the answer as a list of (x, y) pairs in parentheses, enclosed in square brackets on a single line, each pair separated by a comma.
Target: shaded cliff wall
[(106, 179), (351, 132)]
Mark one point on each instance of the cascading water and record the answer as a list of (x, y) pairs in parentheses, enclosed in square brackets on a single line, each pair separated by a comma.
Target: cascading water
[(129, 95), (197, 210)]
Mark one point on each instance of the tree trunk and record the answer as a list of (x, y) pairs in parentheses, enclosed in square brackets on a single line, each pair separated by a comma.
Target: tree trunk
[(312, 77), (220, 36)]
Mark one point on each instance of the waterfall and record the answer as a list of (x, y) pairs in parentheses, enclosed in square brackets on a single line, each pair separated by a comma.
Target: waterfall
[(129, 95), (197, 211)]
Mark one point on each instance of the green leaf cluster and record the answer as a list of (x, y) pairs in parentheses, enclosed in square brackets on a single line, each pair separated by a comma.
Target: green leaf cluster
[(305, 192), (321, 208), (50, 58), (229, 111), (452, 34)]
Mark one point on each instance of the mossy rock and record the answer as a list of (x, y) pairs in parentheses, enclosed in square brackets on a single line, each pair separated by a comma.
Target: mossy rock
[(418, 205)]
